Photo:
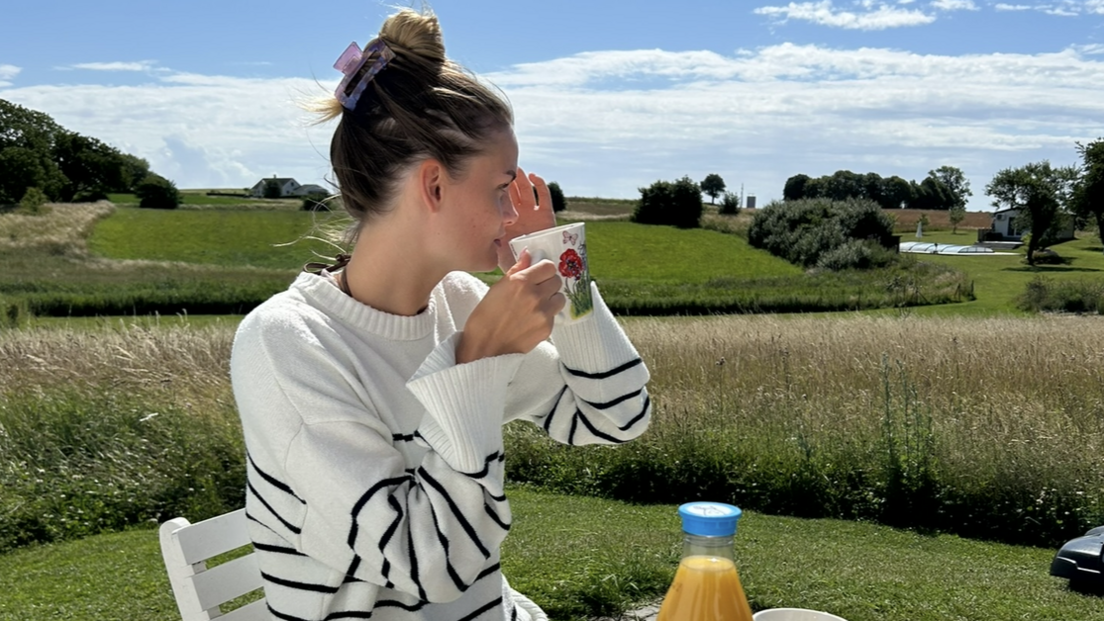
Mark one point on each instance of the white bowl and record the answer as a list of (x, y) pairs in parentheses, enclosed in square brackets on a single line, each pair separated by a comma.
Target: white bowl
[(794, 614)]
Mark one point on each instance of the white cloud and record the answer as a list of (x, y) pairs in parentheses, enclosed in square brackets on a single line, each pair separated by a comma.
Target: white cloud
[(607, 123), (871, 16), (954, 5), (8, 72), (142, 65), (1060, 8)]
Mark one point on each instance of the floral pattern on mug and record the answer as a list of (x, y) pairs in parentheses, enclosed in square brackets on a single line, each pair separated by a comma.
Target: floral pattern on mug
[(573, 268)]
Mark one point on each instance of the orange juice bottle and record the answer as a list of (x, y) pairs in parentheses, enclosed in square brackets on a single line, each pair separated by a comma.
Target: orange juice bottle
[(706, 586)]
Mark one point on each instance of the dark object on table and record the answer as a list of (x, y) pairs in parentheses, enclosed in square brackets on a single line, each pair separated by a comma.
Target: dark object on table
[(1081, 560)]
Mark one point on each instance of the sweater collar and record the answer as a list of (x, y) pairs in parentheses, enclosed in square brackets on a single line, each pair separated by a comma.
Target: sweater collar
[(323, 293)]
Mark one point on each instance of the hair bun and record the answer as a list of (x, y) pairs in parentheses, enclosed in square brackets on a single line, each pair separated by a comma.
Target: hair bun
[(415, 34)]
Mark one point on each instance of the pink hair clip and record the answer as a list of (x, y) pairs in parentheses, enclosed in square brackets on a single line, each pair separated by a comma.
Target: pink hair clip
[(350, 63)]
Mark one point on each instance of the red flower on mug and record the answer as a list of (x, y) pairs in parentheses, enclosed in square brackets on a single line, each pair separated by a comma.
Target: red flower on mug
[(571, 264)]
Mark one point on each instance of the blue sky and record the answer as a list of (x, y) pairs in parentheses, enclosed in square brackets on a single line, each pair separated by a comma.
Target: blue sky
[(609, 96)]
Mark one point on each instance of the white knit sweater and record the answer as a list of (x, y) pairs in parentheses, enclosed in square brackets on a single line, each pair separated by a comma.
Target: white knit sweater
[(375, 461)]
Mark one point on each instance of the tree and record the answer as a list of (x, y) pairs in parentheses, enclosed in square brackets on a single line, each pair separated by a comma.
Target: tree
[(957, 214), (794, 189), (896, 192), (712, 186), (675, 203), (559, 203), (272, 189), (26, 141), (32, 201), (1088, 194), (730, 204), (873, 187), (932, 194), (1040, 192), (956, 184), (157, 192), (92, 168), (842, 185)]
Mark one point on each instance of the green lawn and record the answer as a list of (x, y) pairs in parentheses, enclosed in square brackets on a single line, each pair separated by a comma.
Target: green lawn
[(232, 237), (200, 197), (998, 280), (583, 557), (628, 251), (618, 250)]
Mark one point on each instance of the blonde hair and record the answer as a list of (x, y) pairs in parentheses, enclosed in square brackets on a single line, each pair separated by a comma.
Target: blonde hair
[(421, 105)]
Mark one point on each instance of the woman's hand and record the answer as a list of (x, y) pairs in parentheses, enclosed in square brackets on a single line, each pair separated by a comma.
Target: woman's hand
[(534, 213), (516, 314)]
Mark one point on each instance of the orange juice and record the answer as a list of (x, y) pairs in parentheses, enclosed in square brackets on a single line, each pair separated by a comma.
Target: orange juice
[(706, 588)]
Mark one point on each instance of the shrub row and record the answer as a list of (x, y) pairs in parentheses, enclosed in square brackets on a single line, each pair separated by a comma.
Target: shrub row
[(77, 464), (898, 482), (913, 284), (1073, 296), (824, 233)]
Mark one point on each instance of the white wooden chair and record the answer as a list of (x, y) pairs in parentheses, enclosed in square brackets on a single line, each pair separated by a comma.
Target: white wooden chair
[(200, 591)]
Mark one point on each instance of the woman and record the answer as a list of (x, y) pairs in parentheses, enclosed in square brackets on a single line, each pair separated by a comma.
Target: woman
[(373, 393)]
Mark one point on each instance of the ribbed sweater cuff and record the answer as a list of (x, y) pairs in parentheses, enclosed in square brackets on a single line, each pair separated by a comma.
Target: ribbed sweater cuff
[(596, 343), (464, 404)]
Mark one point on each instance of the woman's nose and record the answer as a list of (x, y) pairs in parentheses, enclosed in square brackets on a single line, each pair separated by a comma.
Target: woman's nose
[(509, 212)]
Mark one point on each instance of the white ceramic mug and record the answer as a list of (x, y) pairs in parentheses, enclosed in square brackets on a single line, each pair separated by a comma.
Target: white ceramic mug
[(794, 614), (566, 247)]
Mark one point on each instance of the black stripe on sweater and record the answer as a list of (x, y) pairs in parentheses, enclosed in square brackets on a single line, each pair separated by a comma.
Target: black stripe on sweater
[(456, 511), (288, 525), (495, 456), (548, 419), (364, 500), (605, 374), (494, 516), (413, 554), (284, 616), (443, 540), (488, 571), (609, 404), (299, 586), (273, 481), (482, 609), (367, 614), (387, 534), (643, 412), (605, 436), (277, 549), (574, 425)]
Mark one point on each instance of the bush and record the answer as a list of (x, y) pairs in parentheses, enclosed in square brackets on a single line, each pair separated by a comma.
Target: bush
[(559, 203), (670, 203), (730, 204), (32, 202), (157, 192), (315, 202), (804, 231)]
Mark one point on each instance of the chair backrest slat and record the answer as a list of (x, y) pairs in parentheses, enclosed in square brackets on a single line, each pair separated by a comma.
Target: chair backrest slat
[(203, 540), (199, 591), (255, 611), (223, 583)]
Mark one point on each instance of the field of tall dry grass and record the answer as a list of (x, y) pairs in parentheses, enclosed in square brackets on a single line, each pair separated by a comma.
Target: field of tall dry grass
[(1005, 412)]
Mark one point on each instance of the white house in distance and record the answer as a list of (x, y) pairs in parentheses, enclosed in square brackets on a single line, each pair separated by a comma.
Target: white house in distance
[(1003, 225), (288, 187)]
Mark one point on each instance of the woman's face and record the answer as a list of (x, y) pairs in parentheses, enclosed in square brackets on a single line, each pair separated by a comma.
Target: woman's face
[(478, 207)]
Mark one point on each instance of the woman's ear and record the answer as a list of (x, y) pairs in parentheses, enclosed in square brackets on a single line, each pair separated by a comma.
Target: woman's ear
[(431, 182)]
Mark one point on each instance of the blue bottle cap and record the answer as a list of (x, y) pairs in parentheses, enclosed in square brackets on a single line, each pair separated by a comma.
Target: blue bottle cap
[(709, 519)]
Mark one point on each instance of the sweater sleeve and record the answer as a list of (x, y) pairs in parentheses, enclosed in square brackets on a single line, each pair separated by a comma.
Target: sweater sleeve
[(587, 386), (429, 531)]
